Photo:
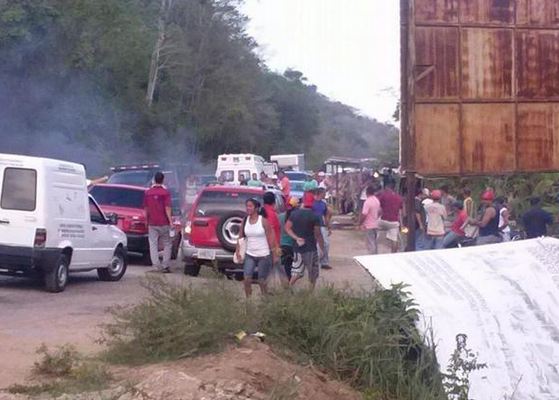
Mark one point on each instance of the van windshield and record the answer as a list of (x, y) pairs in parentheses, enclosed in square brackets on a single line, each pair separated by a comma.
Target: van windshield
[(19, 189), (118, 197)]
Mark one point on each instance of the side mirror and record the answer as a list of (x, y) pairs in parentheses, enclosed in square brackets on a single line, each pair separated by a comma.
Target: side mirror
[(112, 219)]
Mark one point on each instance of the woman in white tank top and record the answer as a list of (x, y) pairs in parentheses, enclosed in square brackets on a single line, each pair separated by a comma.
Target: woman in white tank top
[(259, 238)]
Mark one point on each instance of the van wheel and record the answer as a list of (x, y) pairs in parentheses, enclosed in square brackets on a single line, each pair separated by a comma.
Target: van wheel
[(192, 269), (116, 269), (56, 279)]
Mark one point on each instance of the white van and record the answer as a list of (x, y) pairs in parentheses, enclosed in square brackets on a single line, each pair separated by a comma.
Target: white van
[(232, 169), (49, 224)]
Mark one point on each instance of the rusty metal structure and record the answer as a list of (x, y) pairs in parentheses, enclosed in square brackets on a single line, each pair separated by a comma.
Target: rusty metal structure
[(480, 86)]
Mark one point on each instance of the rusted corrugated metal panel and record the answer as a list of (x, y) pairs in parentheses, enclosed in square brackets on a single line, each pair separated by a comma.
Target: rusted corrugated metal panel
[(436, 60), (487, 63), (483, 91), (439, 127), (487, 11), (488, 138), (538, 138), (538, 64), (537, 12), (436, 10)]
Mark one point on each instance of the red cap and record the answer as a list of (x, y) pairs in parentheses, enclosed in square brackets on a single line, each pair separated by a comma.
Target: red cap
[(488, 195), (436, 195), (308, 200)]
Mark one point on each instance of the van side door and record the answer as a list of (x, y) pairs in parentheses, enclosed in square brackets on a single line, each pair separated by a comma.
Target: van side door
[(100, 238)]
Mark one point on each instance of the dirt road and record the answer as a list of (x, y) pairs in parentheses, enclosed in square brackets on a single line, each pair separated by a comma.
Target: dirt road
[(29, 316)]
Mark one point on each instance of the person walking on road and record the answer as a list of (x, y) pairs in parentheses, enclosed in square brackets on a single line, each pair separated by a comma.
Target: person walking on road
[(284, 185), (157, 206), (304, 227), (272, 217), (287, 243), (320, 208), (370, 217), (436, 215), (260, 243), (536, 220), (391, 204)]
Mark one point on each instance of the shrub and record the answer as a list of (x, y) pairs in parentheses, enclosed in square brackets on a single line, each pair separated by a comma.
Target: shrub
[(72, 373), (175, 322), (368, 340)]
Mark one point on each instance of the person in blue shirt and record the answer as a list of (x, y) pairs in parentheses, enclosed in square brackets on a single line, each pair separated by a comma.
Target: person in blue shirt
[(536, 219)]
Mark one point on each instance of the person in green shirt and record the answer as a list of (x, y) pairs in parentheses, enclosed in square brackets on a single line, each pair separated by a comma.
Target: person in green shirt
[(286, 241), (255, 182)]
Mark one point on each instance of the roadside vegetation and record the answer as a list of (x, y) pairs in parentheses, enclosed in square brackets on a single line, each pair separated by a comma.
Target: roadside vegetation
[(368, 340), (65, 371)]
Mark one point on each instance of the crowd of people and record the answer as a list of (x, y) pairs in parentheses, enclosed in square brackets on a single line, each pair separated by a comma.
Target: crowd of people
[(290, 244)]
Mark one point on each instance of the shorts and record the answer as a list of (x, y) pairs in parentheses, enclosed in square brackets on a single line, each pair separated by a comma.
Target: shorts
[(287, 259), (306, 261), (262, 265), (392, 229)]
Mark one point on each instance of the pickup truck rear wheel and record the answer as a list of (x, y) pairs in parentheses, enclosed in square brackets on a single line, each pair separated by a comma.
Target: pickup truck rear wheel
[(116, 269), (57, 277)]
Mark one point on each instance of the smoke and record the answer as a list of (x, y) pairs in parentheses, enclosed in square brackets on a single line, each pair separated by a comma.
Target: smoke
[(63, 113)]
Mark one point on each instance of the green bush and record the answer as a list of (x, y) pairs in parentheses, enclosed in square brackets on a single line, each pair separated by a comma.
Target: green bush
[(175, 322), (368, 340)]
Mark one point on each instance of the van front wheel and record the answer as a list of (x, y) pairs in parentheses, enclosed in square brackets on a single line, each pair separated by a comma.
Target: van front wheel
[(116, 268), (56, 279)]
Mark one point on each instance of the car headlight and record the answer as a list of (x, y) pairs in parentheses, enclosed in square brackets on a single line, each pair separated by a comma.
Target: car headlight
[(188, 228)]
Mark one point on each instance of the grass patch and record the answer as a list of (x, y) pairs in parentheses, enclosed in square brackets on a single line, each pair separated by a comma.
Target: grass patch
[(175, 322), (368, 340), (68, 372)]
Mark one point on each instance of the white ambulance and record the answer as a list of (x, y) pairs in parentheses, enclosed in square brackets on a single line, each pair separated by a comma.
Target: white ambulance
[(232, 169), (50, 226)]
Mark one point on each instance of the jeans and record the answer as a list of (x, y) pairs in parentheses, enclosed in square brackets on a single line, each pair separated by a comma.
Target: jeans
[(451, 240), (324, 255), (419, 240), (261, 264), (372, 246), (155, 233), (434, 242)]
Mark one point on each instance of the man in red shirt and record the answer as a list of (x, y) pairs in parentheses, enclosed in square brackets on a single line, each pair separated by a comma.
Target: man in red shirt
[(284, 185), (157, 205), (456, 232), (272, 217), (391, 204)]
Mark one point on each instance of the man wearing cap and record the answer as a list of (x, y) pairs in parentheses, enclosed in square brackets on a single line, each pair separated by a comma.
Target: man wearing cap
[(489, 222), (436, 215), (304, 227)]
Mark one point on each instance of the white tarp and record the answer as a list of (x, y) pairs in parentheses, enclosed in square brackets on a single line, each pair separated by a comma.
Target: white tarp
[(505, 297)]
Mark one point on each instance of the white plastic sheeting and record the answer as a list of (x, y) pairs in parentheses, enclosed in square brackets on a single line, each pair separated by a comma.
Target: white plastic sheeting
[(504, 297)]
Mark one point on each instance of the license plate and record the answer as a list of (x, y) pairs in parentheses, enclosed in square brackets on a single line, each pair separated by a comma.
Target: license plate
[(205, 254)]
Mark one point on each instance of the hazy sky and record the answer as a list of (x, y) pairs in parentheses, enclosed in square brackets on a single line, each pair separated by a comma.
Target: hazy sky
[(348, 48)]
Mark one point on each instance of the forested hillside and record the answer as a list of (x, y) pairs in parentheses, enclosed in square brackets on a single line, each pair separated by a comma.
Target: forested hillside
[(110, 81)]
